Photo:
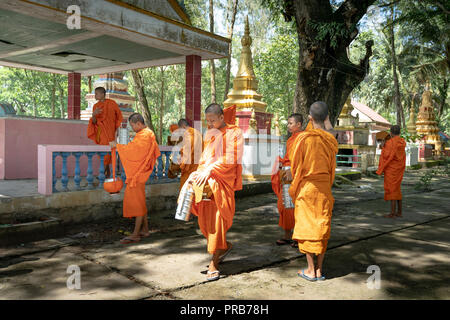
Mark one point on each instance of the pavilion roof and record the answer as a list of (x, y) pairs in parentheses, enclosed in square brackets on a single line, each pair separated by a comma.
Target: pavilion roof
[(114, 36)]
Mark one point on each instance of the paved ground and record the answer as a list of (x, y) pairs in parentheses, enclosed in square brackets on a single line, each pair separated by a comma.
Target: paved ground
[(412, 254)]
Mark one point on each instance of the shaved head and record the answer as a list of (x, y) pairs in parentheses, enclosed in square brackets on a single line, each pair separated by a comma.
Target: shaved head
[(297, 117), (318, 111), (100, 89), (395, 130), (135, 118), (183, 122), (214, 108)]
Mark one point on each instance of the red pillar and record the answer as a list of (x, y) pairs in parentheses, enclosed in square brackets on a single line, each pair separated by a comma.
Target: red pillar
[(193, 88), (73, 95)]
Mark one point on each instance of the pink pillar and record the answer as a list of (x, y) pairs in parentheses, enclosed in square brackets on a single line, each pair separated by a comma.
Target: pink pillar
[(355, 159), (193, 88), (73, 95)]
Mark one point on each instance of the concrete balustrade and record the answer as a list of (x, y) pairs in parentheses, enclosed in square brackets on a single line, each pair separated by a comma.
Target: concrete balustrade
[(49, 174)]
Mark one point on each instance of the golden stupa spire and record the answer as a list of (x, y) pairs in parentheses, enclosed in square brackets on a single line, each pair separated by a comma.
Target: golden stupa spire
[(243, 94), (426, 124), (246, 62)]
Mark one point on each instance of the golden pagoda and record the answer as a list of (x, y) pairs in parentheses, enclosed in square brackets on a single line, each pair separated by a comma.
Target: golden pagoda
[(244, 92), (345, 119), (426, 124)]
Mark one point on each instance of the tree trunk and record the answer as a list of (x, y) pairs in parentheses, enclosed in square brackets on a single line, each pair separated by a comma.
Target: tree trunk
[(161, 109), (230, 35), (325, 72), (53, 94), (443, 98), (143, 103), (213, 67), (397, 97), (61, 101), (90, 83)]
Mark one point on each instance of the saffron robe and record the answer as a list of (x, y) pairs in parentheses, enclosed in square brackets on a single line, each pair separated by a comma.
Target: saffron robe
[(190, 153), (138, 159), (229, 115), (286, 220), (313, 165), (104, 130), (393, 163), (223, 152)]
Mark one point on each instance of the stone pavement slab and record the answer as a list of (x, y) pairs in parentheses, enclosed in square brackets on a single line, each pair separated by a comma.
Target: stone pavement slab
[(410, 269), (44, 276)]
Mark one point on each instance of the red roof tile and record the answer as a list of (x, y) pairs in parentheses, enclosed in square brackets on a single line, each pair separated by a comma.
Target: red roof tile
[(369, 112)]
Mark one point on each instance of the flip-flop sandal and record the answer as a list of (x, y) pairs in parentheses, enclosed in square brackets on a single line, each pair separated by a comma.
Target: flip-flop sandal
[(215, 277), (128, 240), (282, 242), (144, 235), (392, 216), (304, 276), (322, 278), (225, 254)]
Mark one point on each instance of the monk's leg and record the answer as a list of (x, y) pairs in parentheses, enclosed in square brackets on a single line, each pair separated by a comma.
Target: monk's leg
[(392, 214), (310, 271), (399, 208), (320, 258), (137, 228), (144, 228), (107, 172), (214, 229)]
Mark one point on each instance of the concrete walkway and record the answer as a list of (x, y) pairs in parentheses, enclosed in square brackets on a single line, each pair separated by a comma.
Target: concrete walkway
[(412, 254)]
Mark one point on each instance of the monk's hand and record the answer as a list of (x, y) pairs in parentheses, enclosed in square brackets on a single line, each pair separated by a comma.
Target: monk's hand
[(288, 176), (112, 144), (202, 176), (97, 111)]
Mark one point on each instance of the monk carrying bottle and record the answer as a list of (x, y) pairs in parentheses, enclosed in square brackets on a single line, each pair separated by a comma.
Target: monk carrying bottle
[(393, 163), (219, 168), (106, 118), (313, 165), (191, 150), (286, 220), (138, 159)]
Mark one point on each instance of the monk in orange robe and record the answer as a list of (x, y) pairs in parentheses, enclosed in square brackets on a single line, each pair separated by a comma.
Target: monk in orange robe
[(313, 165), (191, 150), (220, 168), (138, 159), (286, 220), (393, 163), (106, 119)]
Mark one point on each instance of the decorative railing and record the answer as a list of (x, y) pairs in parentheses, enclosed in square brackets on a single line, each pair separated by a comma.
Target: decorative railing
[(74, 168), (353, 160)]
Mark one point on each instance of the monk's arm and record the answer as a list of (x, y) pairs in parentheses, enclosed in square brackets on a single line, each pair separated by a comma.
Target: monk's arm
[(136, 150), (329, 127), (385, 158)]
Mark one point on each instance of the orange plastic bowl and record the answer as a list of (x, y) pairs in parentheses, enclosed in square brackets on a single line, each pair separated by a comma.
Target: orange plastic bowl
[(113, 185)]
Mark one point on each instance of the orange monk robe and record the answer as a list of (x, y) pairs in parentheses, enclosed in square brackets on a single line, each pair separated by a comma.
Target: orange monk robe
[(229, 115), (138, 159), (223, 149), (286, 220), (393, 163), (190, 153), (108, 121), (173, 127), (313, 165)]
